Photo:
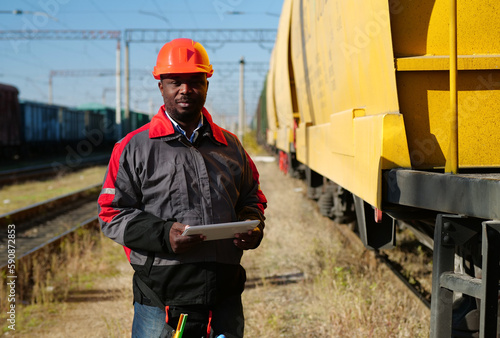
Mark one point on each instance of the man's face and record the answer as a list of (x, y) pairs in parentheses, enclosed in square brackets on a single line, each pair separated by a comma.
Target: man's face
[(184, 95)]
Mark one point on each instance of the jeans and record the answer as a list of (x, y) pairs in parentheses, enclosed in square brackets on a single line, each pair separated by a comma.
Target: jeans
[(148, 321), (227, 319)]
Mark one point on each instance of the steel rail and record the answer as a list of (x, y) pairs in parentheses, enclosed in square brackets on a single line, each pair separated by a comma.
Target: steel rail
[(21, 215), (354, 239), (421, 295), (44, 170), (55, 240)]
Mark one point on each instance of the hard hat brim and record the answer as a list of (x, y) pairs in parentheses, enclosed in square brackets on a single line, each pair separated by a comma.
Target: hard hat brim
[(158, 71)]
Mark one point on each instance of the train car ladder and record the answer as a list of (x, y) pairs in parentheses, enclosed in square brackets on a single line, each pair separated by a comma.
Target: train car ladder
[(453, 231)]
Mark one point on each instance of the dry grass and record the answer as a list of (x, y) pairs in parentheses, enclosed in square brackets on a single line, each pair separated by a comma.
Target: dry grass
[(21, 195), (49, 277), (345, 292)]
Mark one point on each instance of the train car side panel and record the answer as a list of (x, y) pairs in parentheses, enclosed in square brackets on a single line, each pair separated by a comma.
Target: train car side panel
[(379, 142), (299, 63), (421, 27), (424, 98), (41, 122), (421, 47), (353, 94), (270, 104), (282, 81), (10, 116)]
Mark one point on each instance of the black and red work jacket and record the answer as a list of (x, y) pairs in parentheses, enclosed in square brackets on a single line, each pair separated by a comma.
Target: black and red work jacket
[(155, 177)]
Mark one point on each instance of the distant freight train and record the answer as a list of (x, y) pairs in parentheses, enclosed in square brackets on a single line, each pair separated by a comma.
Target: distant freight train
[(396, 121), (28, 128)]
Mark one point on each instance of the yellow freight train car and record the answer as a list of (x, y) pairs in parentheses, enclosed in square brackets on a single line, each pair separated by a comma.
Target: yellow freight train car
[(392, 107)]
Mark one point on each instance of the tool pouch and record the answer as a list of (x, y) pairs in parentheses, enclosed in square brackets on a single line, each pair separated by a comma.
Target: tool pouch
[(197, 316)]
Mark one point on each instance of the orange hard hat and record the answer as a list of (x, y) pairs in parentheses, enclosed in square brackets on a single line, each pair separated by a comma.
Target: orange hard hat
[(182, 56)]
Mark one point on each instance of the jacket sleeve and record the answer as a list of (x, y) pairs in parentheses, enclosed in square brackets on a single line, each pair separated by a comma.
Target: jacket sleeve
[(121, 215), (252, 202)]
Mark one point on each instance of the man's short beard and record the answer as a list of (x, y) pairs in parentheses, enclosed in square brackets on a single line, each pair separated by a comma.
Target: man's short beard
[(188, 116)]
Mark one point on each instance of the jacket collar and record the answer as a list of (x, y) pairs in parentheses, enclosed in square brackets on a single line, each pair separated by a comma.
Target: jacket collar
[(161, 126)]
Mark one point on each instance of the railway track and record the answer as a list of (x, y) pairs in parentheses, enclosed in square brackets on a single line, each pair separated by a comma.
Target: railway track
[(46, 170), (45, 223), (409, 282), (417, 282)]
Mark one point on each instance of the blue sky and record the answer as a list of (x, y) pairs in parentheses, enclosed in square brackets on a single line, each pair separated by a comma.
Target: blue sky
[(26, 64)]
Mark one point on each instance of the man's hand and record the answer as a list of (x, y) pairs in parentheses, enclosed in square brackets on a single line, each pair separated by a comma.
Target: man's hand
[(248, 240), (181, 243)]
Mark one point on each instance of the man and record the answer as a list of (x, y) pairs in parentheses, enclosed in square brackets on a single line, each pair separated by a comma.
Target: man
[(182, 169)]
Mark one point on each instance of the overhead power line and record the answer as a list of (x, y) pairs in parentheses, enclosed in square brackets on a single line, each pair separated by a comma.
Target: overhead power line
[(21, 12), (90, 72), (68, 34), (201, 35)]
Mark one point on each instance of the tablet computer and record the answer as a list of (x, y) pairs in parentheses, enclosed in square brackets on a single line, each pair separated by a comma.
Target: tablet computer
[(221, 230)]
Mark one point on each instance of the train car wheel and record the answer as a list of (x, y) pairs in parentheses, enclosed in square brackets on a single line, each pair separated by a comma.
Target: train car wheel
[(343, 206), (325, 203)]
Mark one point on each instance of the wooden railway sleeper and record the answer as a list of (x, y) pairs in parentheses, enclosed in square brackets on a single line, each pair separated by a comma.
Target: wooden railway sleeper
[(452, 232)]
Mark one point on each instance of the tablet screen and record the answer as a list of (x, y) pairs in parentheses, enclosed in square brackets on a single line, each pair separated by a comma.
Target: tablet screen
[(221, 230)]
